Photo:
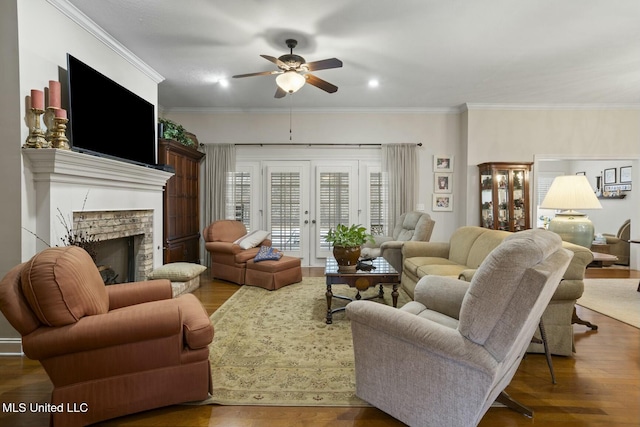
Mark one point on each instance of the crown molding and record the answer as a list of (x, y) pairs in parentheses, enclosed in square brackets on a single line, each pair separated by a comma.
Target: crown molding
[(86, 23), (532, 107), (279, 110)]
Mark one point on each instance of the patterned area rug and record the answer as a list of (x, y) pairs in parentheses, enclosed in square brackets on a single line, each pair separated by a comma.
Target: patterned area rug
[(274, 348), (616, 298)]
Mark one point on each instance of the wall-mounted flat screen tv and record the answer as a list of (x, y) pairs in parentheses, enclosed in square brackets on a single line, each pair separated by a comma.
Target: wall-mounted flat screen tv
[(107, 119)]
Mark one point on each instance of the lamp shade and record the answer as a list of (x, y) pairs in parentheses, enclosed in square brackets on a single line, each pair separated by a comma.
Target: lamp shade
[(570, 192), (290, 81)]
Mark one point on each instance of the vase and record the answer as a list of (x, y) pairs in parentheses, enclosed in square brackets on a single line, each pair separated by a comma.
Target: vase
[(346, 257)]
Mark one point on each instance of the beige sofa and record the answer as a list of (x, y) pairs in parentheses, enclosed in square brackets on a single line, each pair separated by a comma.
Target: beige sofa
[(463, 254)]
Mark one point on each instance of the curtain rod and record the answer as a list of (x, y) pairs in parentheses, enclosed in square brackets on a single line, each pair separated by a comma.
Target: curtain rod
[(419, 144)]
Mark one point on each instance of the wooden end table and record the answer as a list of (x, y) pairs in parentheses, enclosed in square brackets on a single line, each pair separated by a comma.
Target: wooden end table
[(602, 260), (381, 273)]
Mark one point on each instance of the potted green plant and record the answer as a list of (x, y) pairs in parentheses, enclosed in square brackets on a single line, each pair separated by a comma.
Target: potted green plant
[(346, 241)]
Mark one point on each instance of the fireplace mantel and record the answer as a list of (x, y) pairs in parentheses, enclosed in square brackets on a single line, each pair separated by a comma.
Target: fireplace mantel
[(64, 183), (73, 167)]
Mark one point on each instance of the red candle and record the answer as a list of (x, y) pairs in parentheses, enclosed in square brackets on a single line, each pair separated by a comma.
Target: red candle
[(37, 99), (61, 113), (54, 94)]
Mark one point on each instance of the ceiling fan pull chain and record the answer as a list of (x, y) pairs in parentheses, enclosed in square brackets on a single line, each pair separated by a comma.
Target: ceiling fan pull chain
[(290, 114)]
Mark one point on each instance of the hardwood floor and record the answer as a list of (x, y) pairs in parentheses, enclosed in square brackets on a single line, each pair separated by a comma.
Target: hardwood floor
[(599, 386)]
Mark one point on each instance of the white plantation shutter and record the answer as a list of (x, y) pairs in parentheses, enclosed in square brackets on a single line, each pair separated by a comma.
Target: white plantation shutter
[(378, 196), (242, 198), (285, 210), (334, 203)]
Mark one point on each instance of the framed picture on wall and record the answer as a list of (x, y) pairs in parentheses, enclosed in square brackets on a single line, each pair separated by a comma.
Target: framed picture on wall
[(442, 202), (610, 176), (442, 182), (625, 174), (443, 163)]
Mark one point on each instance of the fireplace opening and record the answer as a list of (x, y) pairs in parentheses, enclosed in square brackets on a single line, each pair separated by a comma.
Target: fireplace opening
[(125, 251), (116, 259)]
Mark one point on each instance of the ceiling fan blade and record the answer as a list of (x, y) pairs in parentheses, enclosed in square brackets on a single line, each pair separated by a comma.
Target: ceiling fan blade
[(320, 84), (280, 93), (261, 73), (323, 65), (276, 61)]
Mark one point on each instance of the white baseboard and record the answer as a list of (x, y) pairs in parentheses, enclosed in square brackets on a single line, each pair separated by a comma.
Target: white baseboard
[(11, 347)]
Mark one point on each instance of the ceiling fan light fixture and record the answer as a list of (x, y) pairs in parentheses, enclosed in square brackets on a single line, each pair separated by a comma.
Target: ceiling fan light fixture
[(290, 81)]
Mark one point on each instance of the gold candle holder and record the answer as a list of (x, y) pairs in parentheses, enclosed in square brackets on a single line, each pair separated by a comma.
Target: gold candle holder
[(36, 135), (48, 119), (59, 138)]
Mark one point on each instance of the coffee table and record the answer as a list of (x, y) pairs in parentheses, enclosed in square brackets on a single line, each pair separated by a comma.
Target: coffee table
[(362, 279)]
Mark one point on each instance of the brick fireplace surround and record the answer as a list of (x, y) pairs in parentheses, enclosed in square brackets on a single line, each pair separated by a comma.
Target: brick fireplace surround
[(116, 199)]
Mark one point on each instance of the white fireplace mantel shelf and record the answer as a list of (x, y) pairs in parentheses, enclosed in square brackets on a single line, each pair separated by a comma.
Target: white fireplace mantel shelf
[(66, 166)]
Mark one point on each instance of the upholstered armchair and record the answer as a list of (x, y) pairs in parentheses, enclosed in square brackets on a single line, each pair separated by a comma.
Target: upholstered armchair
[(444, 358), (415, 226), (108, 350), (619, 243), (230, 247)]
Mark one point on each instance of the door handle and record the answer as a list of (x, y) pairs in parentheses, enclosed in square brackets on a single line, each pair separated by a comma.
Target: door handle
[(306, 221), (313, 221)]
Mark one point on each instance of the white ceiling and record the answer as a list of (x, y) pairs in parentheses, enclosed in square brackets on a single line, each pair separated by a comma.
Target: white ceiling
[(426, 54)]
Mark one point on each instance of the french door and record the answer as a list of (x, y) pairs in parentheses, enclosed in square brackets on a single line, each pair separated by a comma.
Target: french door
[(304, 200)]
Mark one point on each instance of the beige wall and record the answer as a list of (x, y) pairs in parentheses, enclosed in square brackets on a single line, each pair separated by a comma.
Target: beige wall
[(41, 61), (439, 132), (30, 58), (522, 135), (10, 160)]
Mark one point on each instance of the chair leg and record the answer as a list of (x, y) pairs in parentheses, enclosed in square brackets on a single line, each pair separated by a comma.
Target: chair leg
[(510, 403), (547, 353)]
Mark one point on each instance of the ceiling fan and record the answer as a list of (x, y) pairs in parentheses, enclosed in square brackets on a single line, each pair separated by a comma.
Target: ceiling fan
[(294, 72)]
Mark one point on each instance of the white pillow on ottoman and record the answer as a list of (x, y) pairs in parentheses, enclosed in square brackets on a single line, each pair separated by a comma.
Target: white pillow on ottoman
[(184, 276)]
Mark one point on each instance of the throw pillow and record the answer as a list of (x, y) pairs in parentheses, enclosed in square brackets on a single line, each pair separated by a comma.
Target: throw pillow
[(267, 253), (177, 271), (252, 239)]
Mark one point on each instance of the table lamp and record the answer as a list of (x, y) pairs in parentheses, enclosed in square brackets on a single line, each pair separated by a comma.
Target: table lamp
[(567, 193)]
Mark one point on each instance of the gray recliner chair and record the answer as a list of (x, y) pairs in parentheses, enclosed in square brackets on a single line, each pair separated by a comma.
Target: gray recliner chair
[(444, 358), (416, 226)]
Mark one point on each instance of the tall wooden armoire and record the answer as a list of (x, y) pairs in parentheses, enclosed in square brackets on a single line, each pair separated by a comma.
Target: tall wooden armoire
[(181, 205)]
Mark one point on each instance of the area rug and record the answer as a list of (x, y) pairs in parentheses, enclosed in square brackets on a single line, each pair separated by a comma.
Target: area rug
[(274, 347), (616, 298)]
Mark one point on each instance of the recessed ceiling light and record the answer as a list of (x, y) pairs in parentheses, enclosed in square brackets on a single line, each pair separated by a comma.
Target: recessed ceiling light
[(374, 83), (223, 82)]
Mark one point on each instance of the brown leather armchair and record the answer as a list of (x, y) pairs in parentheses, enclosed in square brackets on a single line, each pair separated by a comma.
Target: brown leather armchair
[(108, 350), (619, 243), (228, 258)]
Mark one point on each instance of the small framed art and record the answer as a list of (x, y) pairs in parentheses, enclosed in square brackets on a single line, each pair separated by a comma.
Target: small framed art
[(625, 174), (610, 176), (442, 182), (442, 202), (443, 163)]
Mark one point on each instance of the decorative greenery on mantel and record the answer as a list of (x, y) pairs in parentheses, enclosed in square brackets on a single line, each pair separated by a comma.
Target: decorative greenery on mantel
[(177, 132)]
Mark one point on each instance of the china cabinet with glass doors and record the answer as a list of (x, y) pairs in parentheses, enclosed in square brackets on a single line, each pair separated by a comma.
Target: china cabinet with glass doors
[(504, 196)]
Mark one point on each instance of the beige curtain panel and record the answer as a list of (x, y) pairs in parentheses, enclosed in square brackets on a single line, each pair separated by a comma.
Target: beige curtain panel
[(399, 164)]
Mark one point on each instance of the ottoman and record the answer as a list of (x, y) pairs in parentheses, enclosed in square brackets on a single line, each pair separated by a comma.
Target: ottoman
[(272, 275), (184, 276)]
